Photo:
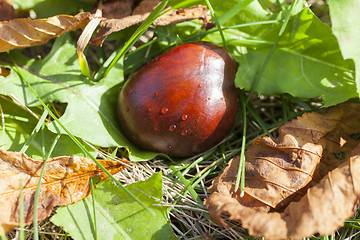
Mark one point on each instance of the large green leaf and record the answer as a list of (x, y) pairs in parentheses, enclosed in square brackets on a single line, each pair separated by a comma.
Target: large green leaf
[(19, 125), (307, 62), (118, 216), (90, 113), (345, 21)]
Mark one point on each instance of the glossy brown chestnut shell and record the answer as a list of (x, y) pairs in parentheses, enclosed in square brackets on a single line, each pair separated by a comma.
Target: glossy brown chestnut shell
[(182, 102)]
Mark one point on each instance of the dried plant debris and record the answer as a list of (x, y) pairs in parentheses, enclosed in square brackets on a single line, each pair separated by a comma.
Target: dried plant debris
[(119, 16), (306, 181), (25, 32), (4, 71), (6, 10), (65, 180)]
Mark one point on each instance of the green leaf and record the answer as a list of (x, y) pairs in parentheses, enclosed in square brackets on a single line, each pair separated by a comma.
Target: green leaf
[(307, 62), (233, 11), (170, 35), (117, 215), (345, 25), (91, 110), (19, 124), (239, 11), (267, 3)]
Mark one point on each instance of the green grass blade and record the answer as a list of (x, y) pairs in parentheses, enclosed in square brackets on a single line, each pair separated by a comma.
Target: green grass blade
[(191, 184), (100, 73), (187, 184), (343, 234), (236, 9), (21, 212), (184, 4), (17, 70), (349, 225), (242, 181), (241, 171), (218, 25), (259, 120), (281, 5), (3, 236), (198, 160), (332, 236), (325, 237), (136, 35), (34, 132), (3, 128), (238, 26), (37, 193), (250, 24), (140, 47), (262, 70), (43, 147), (356, 221), (195, 182), (300, 103), (285, 108), (94, 207)]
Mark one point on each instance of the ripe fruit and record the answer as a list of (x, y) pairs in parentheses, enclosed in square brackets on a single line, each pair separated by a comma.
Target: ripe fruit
[(182, 102)]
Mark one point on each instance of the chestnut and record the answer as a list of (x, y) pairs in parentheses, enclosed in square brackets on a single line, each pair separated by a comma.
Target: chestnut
[(181, 103)]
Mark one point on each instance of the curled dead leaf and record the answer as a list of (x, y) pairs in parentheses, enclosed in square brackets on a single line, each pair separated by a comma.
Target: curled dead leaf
[(119, 16), (66, 180), (297, 184), (24, 32), (84, 40)]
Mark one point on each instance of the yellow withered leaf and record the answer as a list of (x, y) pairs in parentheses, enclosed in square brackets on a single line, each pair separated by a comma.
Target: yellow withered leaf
[(65, 180)]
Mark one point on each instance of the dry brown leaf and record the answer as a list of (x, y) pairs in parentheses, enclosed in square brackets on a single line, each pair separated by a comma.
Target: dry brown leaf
[(66, 180), (6, 10), (283, 196), (341, 141), (117, 9), (25, 32), (118, 16), (4, 71)]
